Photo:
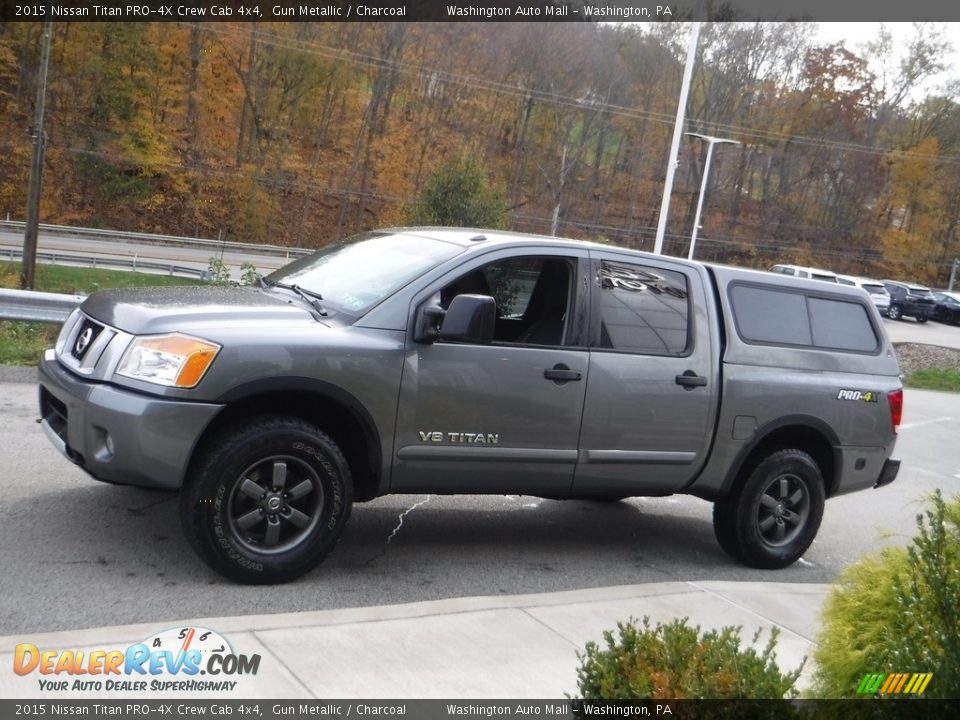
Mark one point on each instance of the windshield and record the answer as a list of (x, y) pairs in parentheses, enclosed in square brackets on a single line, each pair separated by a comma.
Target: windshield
[(355, 275), (874, 289)]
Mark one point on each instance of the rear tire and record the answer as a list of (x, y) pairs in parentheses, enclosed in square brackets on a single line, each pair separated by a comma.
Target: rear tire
[(922, 319), (267, 500), (895, 313), (774, 517)]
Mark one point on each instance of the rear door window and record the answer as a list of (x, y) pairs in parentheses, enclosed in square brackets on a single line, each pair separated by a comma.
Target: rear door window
[(643, 309)]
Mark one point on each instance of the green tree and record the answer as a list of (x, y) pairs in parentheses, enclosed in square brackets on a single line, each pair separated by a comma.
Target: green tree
[(459, 194)]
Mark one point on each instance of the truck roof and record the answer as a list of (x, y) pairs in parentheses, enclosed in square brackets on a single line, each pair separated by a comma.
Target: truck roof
[(481, 238)]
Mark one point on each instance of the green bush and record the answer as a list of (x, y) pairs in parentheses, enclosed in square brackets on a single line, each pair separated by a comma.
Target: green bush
[(217, 272), (459, 194), (674, 661), (23, 343), (248, 274), (897, 611)]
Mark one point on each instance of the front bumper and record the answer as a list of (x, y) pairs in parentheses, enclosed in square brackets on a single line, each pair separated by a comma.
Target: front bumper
[(116, 435)]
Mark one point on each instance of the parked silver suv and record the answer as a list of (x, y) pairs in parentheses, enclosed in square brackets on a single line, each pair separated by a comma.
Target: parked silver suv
[(874, 288)]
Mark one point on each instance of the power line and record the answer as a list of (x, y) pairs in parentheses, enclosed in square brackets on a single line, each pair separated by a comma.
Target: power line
[(355, 57)]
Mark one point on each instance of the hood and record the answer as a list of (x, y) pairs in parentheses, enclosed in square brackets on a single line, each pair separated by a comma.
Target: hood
[(150, 311)]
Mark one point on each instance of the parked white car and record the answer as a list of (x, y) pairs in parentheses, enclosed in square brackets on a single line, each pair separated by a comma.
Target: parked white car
[(805, 272), (874, 288)]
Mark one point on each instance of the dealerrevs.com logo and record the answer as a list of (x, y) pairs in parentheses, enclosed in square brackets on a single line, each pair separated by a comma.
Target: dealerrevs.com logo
[(179, 660)]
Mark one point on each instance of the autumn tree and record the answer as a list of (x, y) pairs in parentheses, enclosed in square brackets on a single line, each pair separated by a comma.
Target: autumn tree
[(298, 133)]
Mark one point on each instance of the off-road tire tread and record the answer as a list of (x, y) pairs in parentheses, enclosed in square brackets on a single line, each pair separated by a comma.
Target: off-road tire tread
[(733, 516), (212, 452)]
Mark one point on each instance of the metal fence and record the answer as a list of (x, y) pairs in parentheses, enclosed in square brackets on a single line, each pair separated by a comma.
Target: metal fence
[(31, 306), (148, 238), (117, 263)]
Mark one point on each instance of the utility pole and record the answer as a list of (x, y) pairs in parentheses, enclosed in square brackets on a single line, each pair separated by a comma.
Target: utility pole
[(953, 273), (703, 184), (675, 143), (36, 168)]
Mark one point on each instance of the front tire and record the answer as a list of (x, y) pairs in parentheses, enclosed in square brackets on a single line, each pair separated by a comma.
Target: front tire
[(775, 516), (267, 500)]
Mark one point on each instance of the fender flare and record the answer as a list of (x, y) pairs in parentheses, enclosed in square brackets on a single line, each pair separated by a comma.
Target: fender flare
[(808, 421)]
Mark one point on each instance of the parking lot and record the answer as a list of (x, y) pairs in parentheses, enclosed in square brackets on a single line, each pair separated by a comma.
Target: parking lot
[(77, 553), (929, 333)]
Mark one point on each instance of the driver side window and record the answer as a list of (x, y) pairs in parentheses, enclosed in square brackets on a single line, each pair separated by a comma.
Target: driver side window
[(533, 296)]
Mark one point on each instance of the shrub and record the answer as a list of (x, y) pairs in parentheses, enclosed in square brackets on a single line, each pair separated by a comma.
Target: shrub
[(897, 611), (248, 274), (674, 661), (459, 194), (217, 272)]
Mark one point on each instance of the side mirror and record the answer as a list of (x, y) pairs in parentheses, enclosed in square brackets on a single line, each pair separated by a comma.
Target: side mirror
[(470, 318), (428, 324)]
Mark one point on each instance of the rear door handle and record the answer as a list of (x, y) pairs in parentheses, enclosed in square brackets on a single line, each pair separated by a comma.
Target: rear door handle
[(690, 380), (561, 373)]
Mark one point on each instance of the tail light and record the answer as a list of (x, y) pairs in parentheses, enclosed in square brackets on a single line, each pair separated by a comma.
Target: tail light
[(895, 399)]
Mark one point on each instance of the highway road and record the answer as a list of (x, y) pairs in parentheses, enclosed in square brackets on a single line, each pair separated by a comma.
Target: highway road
[(77, 553), (81, 247)]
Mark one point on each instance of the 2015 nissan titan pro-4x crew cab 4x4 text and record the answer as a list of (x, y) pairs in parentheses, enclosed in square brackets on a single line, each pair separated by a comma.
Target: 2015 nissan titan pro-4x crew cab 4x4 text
[(451, 361)]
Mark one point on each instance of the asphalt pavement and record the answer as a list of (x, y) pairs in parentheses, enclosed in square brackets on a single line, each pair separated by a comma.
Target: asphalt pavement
[(426, 596), (909, 330), (122, 555)]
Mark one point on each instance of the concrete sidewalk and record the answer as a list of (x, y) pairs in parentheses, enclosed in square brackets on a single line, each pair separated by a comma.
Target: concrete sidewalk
[(517, 647)]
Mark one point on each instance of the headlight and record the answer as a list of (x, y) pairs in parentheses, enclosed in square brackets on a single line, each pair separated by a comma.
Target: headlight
[(172, 360)]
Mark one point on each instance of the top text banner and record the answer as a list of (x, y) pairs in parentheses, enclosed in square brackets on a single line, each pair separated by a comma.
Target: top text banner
[(481, 11)]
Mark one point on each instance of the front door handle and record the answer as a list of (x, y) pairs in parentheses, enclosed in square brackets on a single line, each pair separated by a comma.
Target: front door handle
[(691, 380), (561, 373)]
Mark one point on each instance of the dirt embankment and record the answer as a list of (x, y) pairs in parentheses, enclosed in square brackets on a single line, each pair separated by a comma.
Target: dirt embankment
[(914, 356)]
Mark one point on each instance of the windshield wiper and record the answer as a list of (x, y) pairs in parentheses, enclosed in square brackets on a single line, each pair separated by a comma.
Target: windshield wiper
[(311, 297)]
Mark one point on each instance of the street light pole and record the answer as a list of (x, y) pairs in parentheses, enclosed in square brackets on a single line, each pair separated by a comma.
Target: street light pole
[(703, 183), (36, 169), (675, 142)]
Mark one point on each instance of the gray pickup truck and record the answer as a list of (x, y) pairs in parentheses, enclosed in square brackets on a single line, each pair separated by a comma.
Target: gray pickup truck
[(452, 361)]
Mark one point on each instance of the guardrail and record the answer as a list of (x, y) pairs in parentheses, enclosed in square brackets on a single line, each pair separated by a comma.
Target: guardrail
[(31, 306), (175, 240), (96, 261)]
